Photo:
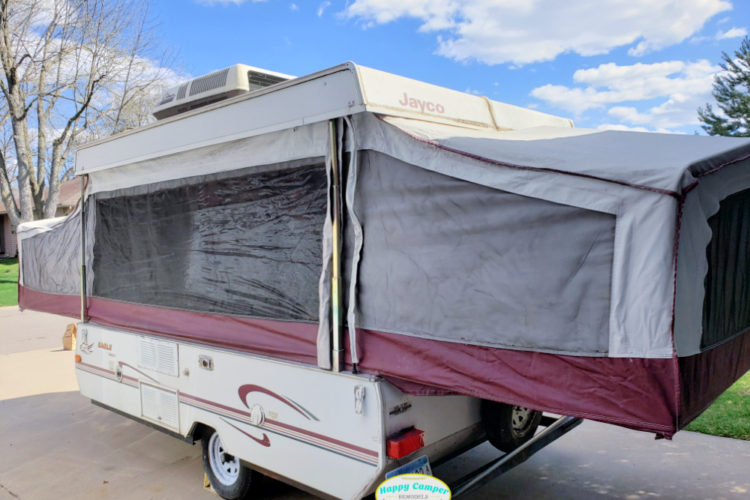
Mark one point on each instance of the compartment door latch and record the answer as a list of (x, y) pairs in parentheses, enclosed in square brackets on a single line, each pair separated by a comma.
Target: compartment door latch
[(359, 399)]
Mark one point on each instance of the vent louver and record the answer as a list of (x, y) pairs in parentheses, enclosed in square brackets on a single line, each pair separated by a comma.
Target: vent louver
[(258, 80), (209, 82), (183, 90)]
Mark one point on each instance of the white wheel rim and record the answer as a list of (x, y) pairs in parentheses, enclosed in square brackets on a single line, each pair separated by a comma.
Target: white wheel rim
[(520, 419), (225, 467)]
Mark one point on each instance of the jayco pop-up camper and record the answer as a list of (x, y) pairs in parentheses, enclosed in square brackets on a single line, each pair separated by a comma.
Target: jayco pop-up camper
[(351, 270)]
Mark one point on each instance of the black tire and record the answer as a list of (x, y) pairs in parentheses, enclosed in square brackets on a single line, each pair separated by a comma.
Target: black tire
[(229, 478), (507, 426)]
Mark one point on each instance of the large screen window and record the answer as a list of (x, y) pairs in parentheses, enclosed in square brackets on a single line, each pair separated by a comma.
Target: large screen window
[(247, 245)]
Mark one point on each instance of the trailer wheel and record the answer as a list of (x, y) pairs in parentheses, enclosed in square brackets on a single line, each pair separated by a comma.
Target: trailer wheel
[(507, 426), (229, 478)]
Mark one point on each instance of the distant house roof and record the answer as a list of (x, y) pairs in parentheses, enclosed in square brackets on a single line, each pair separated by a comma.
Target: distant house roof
[(70, 192)]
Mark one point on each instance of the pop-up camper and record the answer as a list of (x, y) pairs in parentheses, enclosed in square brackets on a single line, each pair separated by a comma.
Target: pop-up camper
[(335, 270)]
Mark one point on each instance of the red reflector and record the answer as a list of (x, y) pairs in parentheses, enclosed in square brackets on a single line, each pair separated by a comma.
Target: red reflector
[(405, 442)]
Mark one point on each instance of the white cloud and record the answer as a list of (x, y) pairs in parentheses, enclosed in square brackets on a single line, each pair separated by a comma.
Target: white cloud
[(294, 7), (323, 8), (628, 114), (661, 95), (731, 33), (522, 31), (576, 100), (614, 126)]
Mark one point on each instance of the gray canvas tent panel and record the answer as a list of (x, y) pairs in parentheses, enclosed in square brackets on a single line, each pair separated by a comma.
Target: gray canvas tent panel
[(53, 254), (60, 245), (447, 259)]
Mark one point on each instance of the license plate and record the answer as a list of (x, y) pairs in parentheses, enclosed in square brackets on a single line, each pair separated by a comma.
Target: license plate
[(420, 465)]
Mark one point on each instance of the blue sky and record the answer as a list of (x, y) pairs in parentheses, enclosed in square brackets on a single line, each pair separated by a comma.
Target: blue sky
[(628, 64)]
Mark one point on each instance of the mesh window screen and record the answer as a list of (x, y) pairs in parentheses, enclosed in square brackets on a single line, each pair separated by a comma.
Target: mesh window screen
[(726, 305), (247, 245)]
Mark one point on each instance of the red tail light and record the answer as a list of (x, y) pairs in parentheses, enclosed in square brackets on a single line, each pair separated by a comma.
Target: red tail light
[(405, 442)]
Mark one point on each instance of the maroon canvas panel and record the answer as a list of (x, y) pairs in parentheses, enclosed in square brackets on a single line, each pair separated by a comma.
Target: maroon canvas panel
[(632, 392), (65, 305), (291, 341), (704, 376)]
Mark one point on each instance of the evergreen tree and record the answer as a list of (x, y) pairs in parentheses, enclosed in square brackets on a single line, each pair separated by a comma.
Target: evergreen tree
[(732, 94)]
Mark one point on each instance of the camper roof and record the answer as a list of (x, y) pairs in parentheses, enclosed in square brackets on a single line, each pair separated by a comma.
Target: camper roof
[(342, 90)]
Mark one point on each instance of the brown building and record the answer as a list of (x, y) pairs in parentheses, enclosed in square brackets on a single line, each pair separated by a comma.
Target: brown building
[(70, 192)]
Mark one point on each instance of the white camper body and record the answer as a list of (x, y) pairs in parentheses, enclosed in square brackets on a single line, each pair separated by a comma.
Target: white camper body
[(322, 430)]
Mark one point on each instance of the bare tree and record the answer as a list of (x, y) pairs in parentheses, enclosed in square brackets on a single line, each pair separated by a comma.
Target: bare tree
[(72, 70)]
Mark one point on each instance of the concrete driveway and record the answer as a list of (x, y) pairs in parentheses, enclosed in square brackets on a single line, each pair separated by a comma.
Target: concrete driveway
[(55, 445)]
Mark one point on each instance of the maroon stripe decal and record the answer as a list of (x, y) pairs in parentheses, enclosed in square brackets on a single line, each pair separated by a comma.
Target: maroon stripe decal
[(121, 363), (215, 404), (109, 374), (263, 442), (96, 368), (321, 437), (246, 389)]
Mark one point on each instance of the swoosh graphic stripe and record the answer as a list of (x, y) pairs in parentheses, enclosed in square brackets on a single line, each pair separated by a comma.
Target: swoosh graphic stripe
[(285, 433), (263, 442), (324, 444), (343, 453), (324, 438), (246, 389), (303, 435), (108, 374), (304, 409)]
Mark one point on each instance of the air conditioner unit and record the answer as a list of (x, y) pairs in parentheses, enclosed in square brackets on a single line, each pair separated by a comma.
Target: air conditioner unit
[(217, 86)]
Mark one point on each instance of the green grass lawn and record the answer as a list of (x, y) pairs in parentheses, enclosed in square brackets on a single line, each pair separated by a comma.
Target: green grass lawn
[(729, 416), (8, 282)]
